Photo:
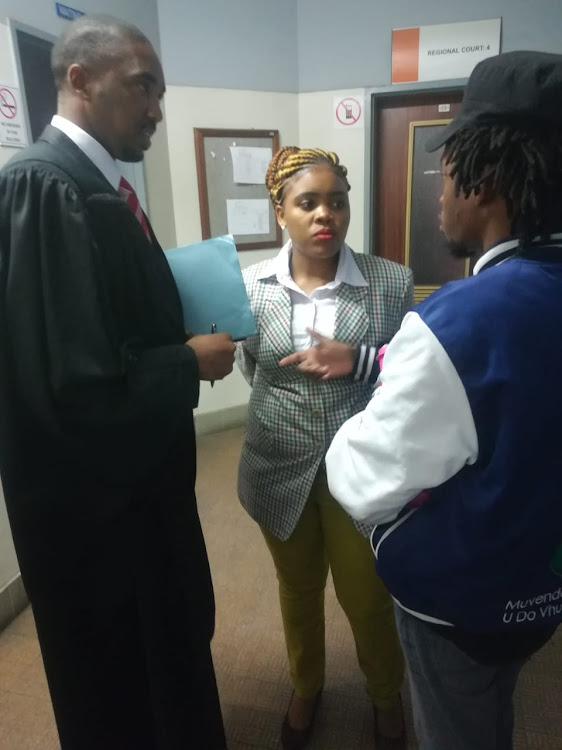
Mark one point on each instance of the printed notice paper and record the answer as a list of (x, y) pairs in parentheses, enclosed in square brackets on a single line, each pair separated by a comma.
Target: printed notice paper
[(249, 165), (211, 288), (248, 216)]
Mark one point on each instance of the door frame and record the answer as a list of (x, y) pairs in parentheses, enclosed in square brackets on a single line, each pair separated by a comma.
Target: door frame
[(374, 96)]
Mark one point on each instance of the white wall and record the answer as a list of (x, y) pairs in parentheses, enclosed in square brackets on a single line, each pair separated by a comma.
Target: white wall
[(8, 78), (8, 562), (188, 108), (316, 130)]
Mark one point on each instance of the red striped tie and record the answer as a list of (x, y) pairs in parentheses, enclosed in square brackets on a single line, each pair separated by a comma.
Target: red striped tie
[(126, 192)]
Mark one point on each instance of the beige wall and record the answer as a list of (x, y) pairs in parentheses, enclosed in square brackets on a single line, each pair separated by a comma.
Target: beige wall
[(188, 108), (158, 184), (8, 78), (316, 130), (8, 561), (302, 120)]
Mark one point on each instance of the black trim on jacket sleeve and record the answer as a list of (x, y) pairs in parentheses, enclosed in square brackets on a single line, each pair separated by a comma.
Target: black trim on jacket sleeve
[(365, 366)]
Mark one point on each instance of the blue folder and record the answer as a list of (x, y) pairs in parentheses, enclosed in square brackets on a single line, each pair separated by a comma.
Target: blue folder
[(211, 287)]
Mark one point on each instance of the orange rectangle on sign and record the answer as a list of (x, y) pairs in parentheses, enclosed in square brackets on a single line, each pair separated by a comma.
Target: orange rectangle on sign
[(405, 55)]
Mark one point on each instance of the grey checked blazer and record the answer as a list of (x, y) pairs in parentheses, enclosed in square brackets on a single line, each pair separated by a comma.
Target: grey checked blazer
[(292, 420)]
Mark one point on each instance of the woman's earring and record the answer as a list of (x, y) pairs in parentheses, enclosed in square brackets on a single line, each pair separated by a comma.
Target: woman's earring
[(283, 226)]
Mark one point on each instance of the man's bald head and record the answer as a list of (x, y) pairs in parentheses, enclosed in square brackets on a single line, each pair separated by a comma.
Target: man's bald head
[(94, 42), (110, 83)]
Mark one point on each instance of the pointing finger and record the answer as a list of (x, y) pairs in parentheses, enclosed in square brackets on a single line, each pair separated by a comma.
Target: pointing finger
[(292, 359)]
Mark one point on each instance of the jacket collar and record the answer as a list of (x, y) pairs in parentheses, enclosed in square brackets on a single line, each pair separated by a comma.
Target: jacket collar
[(496, 254), (347, 271), (505, 250)]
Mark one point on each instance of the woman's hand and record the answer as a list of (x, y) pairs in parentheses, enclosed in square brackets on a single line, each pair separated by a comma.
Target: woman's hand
[(325, 360)]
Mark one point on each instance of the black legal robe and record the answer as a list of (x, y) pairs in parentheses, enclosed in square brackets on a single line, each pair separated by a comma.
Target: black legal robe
[(97, 457)]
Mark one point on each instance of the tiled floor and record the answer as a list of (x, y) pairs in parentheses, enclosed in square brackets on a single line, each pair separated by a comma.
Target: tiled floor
[(26, 716), (249, 650)]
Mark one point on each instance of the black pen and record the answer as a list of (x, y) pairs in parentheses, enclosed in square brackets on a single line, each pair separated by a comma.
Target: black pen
[(213, 330)]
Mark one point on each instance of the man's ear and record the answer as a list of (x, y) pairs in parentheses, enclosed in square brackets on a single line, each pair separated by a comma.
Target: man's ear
[(78, 80), (486, 194)]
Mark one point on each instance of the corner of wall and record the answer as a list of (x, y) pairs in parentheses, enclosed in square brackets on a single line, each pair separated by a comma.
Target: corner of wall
[(13, 600), (159, 188), (222, 419)]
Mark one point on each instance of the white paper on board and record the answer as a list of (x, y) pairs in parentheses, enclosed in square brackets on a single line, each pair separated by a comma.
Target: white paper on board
[(248, 216), (249, 164)]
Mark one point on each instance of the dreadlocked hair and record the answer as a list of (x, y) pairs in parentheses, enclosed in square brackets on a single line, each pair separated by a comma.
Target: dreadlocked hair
[(290, 160), (521, 163)]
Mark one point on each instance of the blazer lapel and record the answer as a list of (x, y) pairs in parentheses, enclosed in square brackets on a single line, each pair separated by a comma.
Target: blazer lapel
[(352, 319), (276, 320)]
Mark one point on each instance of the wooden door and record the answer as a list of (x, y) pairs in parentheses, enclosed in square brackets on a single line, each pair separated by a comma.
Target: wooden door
[(407, 184)]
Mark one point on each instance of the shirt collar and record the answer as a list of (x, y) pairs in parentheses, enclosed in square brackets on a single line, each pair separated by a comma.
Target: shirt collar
[(500, 252), (347, 271), (93, 149)]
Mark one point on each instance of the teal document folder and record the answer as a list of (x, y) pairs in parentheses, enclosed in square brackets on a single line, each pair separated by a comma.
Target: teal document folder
[(211, 288)]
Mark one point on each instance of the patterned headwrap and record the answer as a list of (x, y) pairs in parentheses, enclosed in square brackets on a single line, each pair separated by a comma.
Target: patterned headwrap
[(290, 160)]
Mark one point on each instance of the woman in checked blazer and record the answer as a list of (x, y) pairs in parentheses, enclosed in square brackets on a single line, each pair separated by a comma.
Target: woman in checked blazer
[(321, 310)]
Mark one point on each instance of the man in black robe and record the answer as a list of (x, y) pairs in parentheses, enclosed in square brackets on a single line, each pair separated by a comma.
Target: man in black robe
[(97, 451)]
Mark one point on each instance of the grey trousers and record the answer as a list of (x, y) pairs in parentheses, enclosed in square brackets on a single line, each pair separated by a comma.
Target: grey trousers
[(458, 704)]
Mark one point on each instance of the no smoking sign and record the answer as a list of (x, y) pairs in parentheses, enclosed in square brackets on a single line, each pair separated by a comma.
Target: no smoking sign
[(8, 106), (12, 129), (348, 112)]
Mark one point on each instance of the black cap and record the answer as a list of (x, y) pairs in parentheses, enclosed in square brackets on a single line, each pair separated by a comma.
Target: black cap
[(514, 86)]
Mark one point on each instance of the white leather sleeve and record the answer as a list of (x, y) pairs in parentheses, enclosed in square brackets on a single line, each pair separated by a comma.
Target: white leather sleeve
[(416, 432)]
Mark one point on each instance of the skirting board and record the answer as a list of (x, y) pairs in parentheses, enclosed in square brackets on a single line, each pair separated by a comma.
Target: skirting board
[(223, 419), (13, 600)]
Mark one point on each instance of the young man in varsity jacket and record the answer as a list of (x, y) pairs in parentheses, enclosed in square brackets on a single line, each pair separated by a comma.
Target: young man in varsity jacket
[(470, 405)]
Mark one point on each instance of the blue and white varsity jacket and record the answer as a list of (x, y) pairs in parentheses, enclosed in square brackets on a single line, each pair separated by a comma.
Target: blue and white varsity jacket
[(469, 404)]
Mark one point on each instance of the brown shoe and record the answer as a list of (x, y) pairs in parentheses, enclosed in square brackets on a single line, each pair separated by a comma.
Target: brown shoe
[(390, 741), (296, 739)]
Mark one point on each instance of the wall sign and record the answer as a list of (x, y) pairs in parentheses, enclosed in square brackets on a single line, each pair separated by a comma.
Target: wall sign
[(69, 14), (434, 53), (348, 112), (12, 130)]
